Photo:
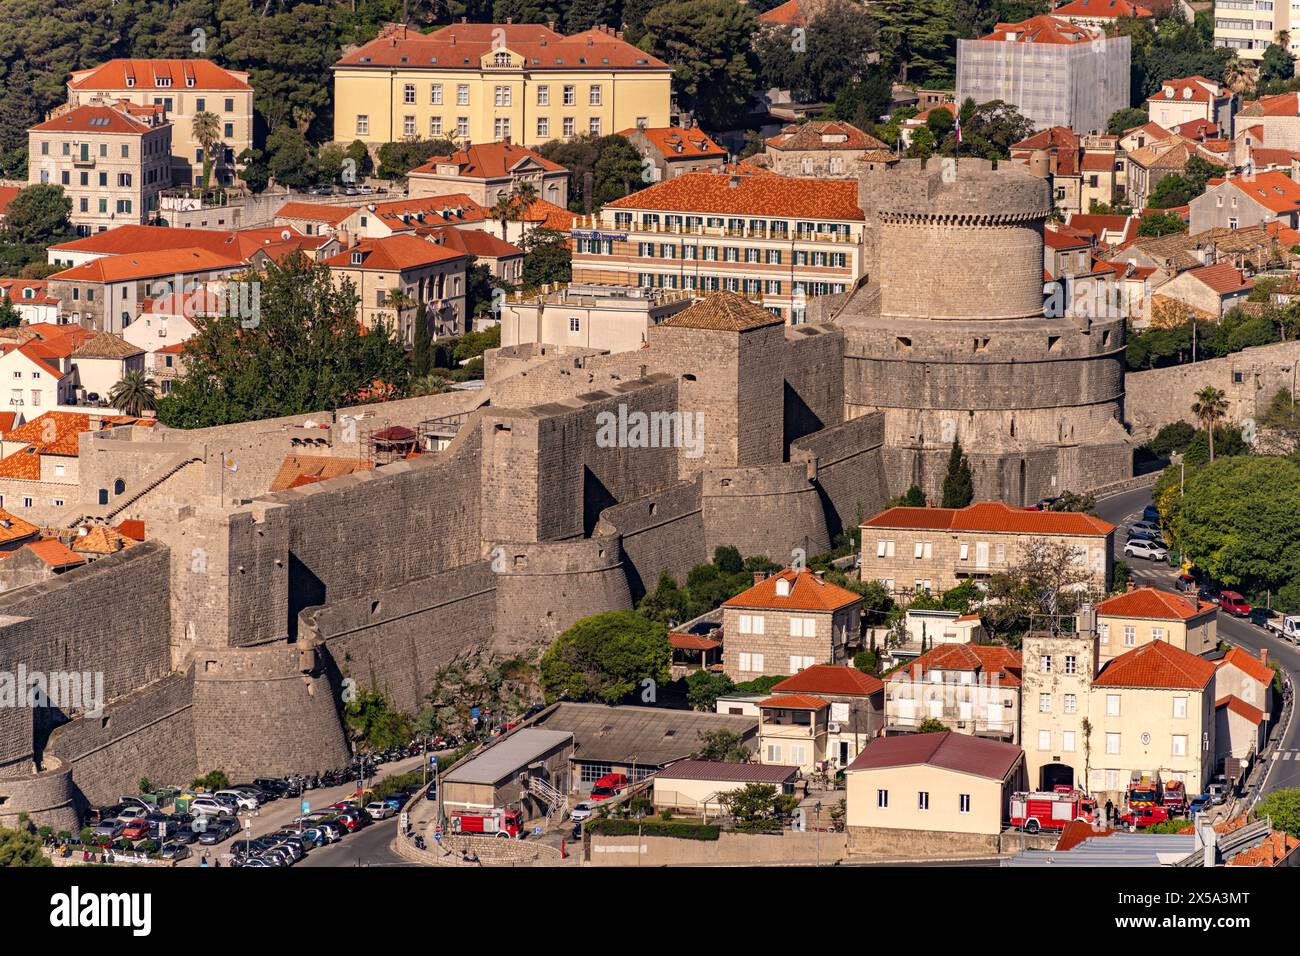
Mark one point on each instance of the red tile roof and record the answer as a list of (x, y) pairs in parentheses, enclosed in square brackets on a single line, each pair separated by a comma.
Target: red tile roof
[(1248, 664), (13, 528), (1158, 664), (55, 553), (131, 528), (409, 214), (144, 74), (1241, 708), (1103, 9), (1283, 104), (1076, 831), (148, 265), (1277, 846), (1275, 191), (549, 216), (994, 664), (315, 212), (787, 14), (730, 772), (692, 642), (962, 753), (1055, 239), (489, 161), (134, 239), (462, 45), (1042, 29), (473, 242), (1189, 89), (1223, 278), (830, 679), (1153, 603), (991, 516), (824, 134), (807, 592), (769, 195), (677, 143), (393, 254), (795, 702), (7, 194), (93, 119)]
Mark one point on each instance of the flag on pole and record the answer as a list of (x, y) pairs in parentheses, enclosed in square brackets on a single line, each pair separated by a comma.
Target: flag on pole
[(228, 463), (957, 125)]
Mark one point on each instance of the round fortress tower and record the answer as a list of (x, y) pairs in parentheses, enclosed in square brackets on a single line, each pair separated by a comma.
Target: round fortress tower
[(950, 340), (958, 240)]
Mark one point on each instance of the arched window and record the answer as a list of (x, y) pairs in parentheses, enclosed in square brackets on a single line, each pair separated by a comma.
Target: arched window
[(119, 486)]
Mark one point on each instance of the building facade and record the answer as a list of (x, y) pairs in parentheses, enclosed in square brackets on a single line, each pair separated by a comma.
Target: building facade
[(486, 172), (183, 88), (972, 689), (776, 240), (112, 160), (1057, 73), (1138, 617), (484, 82), (608, 318)]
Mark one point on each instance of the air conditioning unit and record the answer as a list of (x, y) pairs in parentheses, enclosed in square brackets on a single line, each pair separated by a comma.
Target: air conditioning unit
[(833, 727)]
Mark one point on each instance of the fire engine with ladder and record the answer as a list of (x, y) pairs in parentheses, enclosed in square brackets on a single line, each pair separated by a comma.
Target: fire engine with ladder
[(1043, 810)]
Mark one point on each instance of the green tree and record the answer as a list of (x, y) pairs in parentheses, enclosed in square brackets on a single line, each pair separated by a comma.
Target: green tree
[(1282, 807), (1228, 442), (1125, 119), (606, 657), (307, 340), (863, 101), (709, 44), (38, 216), (10, 317), (1277, 64), (722, 746), (704, 687), (759, 807), (21, 848), (205, 126), (18, 112), (547, 258), (1156, 223), (135, 394), (918, 40), (1172, 438), (931, 725), (958, 483), (1236, 521), (617, 172), (374, 723), (288, 157), (1209, 408), (829, 53)]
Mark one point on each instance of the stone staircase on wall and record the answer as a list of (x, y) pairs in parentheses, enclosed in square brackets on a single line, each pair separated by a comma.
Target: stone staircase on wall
[(102, 514)]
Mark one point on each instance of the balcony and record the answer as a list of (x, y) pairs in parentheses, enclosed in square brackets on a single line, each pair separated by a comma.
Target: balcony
[(979, 727), (84, 162)]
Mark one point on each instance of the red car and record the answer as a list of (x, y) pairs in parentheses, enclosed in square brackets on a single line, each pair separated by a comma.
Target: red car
[(136, 830), (1143, 817), (610, 785), (1234, 604)]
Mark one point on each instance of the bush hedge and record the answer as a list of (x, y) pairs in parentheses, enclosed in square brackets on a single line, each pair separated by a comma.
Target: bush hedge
[(680, 831)]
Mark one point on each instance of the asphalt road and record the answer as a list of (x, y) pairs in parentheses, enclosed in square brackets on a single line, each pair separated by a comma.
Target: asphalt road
[(1125, 508)]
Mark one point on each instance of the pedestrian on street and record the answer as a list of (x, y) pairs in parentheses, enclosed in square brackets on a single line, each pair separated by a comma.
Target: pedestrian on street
[(1110, 812)]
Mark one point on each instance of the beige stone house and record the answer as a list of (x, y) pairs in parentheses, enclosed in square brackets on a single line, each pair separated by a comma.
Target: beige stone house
[(1240, 733), (787, 622), (696, 786), (672, 151), (183, 88), (823, 149), (1241, 674), (112, 159), (486, 171), (1141, 616), (972, 689), (1150, 711), (1210, 290), (793, 729), (1247, 200), (931, 794), (609, 318), (425, 271), (1193, 98), (856, 708), (911, 550)]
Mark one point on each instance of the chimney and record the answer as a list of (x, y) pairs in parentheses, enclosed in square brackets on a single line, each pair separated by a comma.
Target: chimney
[(1263, 655), (550, 25), (510, 21), (760, 577), (343, 237), (1132, 586)]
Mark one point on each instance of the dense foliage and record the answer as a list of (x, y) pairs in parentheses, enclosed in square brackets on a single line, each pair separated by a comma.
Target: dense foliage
[(606, 657)]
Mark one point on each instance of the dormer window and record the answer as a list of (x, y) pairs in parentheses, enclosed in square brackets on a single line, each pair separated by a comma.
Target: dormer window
[(130, 81), (782, 587), (163, 81), (501, 58), (356, 258)]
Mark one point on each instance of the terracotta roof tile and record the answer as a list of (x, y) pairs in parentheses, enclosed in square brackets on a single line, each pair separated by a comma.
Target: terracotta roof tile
[(315, 468), (396, 253), (1248, 664), (795, 702), (94, 119), (1223, 277), (994, 664), (767, 195), (723, 312), (677, 143), (1102, 9), (488, 161), (315, 212), (133, 528), (1241, 708), (1159, 665), (1153, 603), (807, 592), (55, 553), (408, 214), (824, 134), (830, 679), (106, 345), (692, 642), (1042, 29), (991, 516), (786, 14), (148, 265), (13, 528), (144, 73)]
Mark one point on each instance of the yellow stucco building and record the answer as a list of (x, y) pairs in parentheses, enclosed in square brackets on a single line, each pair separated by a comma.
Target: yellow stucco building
[(482, 82)]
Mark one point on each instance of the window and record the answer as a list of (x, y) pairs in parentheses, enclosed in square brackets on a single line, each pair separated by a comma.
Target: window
[(1130, 635), (501, 96), (1112, 743), (1180, 745), (1180, 707), (1044, 740), (774, 753), (435, 125), (568, 126), (1112, 705), (27, 502), (501, 128), (882, 799), (462, 126), (1070, 664), (1045, 663), (230, 104), (363, 125), (752, 623), (1044, 703), (1071, 703), (923, 800), (408, 125), (963, 552), (923, 549), (1157, 633), (435, 94), (570, 96), (593, 96), (1105, 633), (543, 96), (462, 94), (408, 94), (963, 803), (1067, 741), (803, 627), (228, 130), (593, 126), (575, 324), (798, 663), (543, 128)]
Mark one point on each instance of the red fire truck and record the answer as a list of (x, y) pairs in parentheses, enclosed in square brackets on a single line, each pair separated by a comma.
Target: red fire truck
[(1142, 791), (1174, 797), (1051, 811), (498, 823)]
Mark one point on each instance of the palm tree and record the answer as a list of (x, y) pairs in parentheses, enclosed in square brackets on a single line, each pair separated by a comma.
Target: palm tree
[(399, 302), (503, 210), (524, 194), (134, 395), (206, 127), (1237, 76), (1210, 407), (428, 385)]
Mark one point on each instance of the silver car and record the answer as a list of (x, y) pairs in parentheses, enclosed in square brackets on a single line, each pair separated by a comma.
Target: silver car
[(1145, 549)]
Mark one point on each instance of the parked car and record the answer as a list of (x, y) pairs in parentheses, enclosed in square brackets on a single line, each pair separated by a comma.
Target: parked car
[(1198, 803), (1145, 549), (277, 788), (581, 812), (136, 830), (241, 800), (1143, 817), (1217, 792), (110, 829), (210, 806), (610, 785), (1152, 514), (174, 852), (184, 833), (219, 831), (324, 189), (1234, 604), (98, 815), (379, 810), (353, 820)]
